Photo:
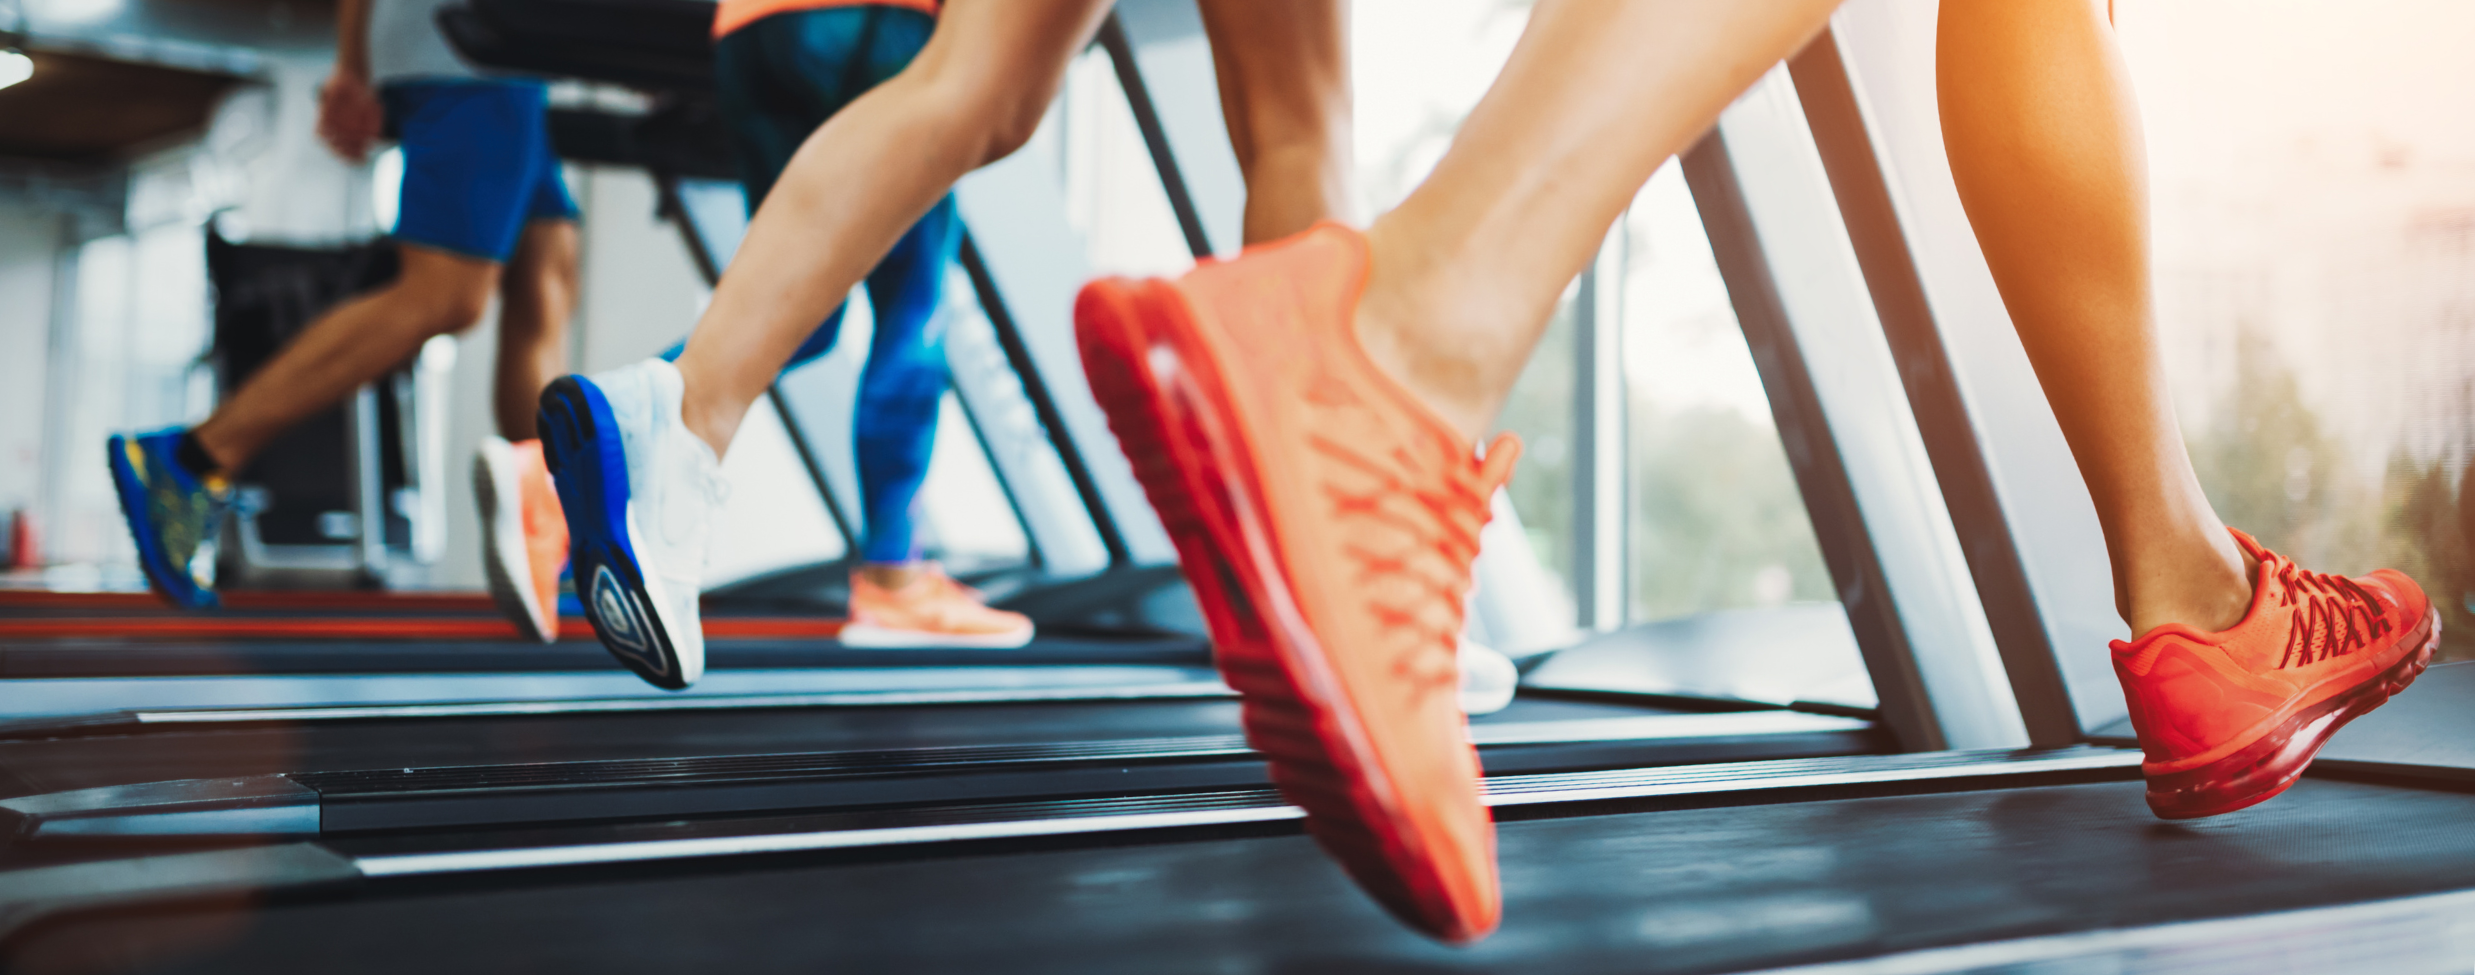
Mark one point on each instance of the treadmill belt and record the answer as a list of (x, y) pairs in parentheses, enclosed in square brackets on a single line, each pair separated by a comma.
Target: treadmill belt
[(61, 764), (1733, 888)]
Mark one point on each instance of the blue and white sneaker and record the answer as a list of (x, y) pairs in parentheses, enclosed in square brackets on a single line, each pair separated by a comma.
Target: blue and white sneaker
[(174, 515), (640, 493)]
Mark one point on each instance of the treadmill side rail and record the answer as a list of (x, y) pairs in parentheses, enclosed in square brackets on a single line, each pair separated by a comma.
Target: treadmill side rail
[(256, 805), (31, 895), (1023, 820)]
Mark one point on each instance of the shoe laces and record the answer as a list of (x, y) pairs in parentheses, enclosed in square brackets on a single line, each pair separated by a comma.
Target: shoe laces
[(2334, 615), (1438, 529)]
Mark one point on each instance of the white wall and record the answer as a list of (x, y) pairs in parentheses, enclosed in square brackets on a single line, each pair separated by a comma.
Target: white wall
[(29, 250), (641, 290)]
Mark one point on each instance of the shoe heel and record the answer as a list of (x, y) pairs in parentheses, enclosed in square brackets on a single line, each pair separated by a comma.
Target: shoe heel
[(2264, 771), (565, 422)]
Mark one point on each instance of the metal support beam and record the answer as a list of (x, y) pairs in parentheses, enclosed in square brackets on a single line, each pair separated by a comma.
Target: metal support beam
[(1164, 64), (1155, 135), (1022, 249), (368, 492), (1800, 299), (1044, 402), (1944, 420), (710, 248), (1601, 526), (2052, 520)]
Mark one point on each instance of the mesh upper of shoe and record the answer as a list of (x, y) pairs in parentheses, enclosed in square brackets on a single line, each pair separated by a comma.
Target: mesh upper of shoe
[(1375, 504), (675, 484), (932, 602), (185, 510), (2195, 697)]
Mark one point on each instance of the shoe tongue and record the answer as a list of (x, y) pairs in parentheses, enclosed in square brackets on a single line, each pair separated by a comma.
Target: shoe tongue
[(2251, 546)]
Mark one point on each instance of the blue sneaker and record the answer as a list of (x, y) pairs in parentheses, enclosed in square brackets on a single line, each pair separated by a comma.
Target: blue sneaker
[(173, 515), (640, 493)]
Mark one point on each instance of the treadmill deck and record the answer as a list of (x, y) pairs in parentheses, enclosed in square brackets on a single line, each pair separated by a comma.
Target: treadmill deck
[(1736, 888)]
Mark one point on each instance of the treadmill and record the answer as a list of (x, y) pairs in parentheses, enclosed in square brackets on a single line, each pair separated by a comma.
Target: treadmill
[(1977, 809)]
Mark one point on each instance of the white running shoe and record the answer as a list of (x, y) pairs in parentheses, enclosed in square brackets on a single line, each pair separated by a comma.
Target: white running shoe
[(640, 493), (523, 534), (1487, 678)]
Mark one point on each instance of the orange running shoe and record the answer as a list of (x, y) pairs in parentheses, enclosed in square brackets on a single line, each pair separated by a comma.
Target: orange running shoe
[(524, 542), (932, 610), (1328, 521), (2230, 719)]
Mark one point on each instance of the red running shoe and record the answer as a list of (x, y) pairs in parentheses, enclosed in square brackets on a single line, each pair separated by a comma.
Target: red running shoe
[(1327, 520), (2230, 719)]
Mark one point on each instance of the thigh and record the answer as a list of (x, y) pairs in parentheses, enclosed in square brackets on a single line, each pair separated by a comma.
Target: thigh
[(840, 53), (785, 74), (472, 158)]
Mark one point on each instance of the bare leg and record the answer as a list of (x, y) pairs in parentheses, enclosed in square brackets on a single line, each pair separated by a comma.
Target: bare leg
[(536, 297), (360, 340), (2044, 139), (1595, 97), (1284, 91), (975, 94)]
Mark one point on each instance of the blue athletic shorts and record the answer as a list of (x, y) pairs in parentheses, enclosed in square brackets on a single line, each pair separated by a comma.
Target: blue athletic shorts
[(478, 164)]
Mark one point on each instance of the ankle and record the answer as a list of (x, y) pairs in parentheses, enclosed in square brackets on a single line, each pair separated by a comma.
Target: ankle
[(204, 457), (1436, 343), (2208, 589), (890, 576), (714, 423)]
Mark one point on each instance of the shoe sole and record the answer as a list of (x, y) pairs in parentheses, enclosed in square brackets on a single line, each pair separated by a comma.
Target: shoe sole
[(872, 636), (1295, 709), (1113, 348), (169, 581), (611, 581), (2262, 770), (503, 548)]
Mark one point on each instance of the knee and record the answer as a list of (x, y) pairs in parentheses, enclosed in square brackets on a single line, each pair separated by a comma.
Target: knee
[(1012, 126), (988, 114), (442, 307)]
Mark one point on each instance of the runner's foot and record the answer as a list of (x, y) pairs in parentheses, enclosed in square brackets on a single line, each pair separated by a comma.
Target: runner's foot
[(1328, 520), (640, 493), (174, 514), (524, 534), (2230, 719), (931, 610)]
